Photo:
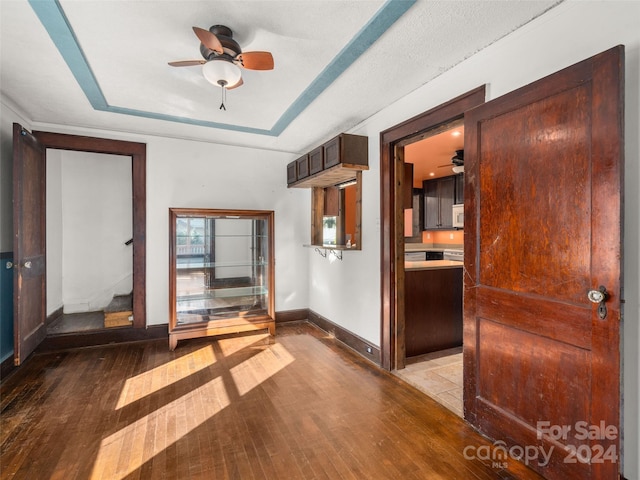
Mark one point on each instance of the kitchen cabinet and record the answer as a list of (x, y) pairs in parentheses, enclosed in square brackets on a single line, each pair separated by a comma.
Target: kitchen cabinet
[(316, 160), (292, 172), (333, 162), (439, 196), (433, 310), (303, 167), (459, 195), (221, 272)]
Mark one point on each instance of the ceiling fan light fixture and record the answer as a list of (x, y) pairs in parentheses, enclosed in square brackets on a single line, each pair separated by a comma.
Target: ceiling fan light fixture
[(222, 73)]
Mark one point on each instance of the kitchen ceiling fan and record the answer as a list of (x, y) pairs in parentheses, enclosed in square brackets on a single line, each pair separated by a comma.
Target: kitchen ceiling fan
[(457, 162), (223, 57)]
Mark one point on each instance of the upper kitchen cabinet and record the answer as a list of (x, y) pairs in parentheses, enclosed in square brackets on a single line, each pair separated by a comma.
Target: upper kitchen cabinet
[(439, 197), (333, 163), (459, 196)]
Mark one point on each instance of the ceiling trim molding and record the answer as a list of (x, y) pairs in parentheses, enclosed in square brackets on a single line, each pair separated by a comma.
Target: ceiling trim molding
[(53, 18)]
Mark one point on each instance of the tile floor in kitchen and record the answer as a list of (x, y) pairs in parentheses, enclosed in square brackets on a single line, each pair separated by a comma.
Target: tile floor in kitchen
[(438, 375)]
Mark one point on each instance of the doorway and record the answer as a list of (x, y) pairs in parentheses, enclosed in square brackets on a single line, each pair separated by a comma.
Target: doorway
[(29, 246), (433, 261), (89, 231), (393, 188)]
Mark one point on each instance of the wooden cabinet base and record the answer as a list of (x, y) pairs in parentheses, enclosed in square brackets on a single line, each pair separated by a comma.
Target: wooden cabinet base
[(216, 328), (433, 310)]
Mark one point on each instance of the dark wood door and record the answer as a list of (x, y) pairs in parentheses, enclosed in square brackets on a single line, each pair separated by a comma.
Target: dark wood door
[(543, 167), (29, 181)]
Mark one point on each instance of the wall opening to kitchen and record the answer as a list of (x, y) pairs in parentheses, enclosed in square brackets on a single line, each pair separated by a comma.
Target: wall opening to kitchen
[(396, 194), (433, 261)]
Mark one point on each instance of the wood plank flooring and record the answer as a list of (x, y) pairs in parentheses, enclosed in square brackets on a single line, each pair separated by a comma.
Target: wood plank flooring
[(299, 407)]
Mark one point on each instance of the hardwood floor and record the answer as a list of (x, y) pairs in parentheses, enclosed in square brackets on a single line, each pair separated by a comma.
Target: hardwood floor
[(301, 406)]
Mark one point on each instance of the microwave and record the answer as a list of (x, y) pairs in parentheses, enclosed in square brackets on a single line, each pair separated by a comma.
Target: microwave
[(458, 216)]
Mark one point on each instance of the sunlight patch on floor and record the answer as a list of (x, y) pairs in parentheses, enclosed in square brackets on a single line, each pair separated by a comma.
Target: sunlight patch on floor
[(252, 372), (143, 439), (160, 377), (231, 345), (132, 446)]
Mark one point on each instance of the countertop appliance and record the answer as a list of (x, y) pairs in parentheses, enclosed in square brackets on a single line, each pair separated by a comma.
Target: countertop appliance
[(458, 215), (454, 254), (414, 256), (422, 256)]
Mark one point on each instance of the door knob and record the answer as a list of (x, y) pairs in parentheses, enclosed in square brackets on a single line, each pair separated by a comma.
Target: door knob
[(27, 264), (9, 265), (600, 297)]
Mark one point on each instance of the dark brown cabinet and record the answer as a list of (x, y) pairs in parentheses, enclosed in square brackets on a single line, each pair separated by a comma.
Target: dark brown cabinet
[(433, 310), (292, 172), (332, 152), (439, 197), (459, 189), (332, 163), (303, 167), (316, 160)]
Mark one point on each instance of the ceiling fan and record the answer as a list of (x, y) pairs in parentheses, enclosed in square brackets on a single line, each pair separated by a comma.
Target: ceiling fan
[(457, 162), (223, 57)]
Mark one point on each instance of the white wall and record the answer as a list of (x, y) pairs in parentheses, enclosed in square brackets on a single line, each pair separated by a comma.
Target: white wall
[(55, 296), (348, 292), (96, 202)]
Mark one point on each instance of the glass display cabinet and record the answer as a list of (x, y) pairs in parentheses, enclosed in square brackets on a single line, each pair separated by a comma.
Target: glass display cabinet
[(221, 272)]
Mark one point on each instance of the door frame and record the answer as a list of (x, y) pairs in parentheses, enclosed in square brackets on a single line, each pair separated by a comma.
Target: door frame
[(138, 154), (392, 142)]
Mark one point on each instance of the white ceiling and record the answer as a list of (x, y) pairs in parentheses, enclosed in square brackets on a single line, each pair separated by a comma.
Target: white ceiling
[(102, 64)]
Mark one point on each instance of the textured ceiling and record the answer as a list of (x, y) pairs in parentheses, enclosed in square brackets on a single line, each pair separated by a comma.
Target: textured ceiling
[(103, 64)]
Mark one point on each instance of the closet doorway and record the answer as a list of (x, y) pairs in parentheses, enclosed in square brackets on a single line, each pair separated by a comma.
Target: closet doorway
[(30, 227), (89, 241)]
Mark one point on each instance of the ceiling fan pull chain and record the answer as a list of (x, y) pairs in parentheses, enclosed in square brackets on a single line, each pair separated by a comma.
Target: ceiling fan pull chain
[(223, 94)]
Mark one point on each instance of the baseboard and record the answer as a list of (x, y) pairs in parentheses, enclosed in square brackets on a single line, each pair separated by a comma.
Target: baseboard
[(104, 337), (292, 315), (350, 339), (54, 316)]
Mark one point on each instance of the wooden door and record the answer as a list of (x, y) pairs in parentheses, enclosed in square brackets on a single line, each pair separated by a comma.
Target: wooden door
[(543, 167), (29, 181)]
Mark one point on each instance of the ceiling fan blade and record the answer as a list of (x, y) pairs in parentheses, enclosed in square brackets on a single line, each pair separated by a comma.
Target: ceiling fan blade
[(256, 60), (209, 40), (446, 165), (239, 84), (187, 63)]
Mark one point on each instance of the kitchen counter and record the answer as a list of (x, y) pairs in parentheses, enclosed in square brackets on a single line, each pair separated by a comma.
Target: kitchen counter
[(432, 265), (421, 247)]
